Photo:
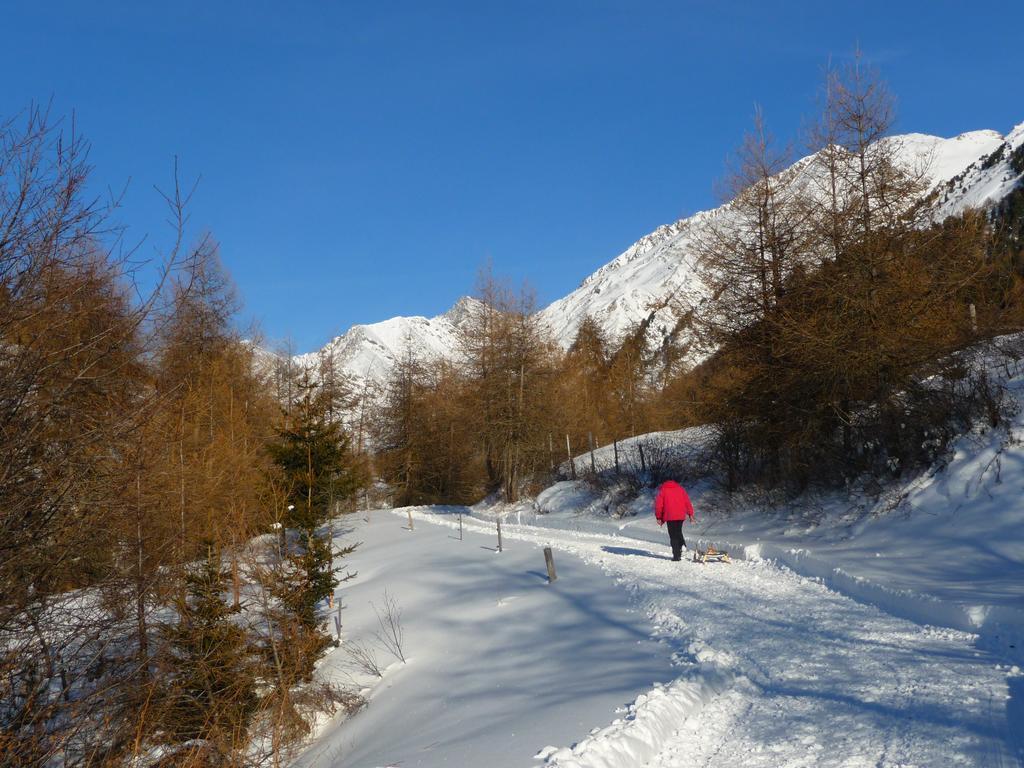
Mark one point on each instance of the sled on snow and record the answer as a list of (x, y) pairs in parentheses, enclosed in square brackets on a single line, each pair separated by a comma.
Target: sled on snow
[(710, 555)]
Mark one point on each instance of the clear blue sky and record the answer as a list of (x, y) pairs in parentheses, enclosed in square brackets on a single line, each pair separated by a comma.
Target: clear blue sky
[(362, 160)]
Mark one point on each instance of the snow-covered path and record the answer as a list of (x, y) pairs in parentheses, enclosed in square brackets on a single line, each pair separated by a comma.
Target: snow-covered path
[(813, 678), (770, 668), (499, 662)]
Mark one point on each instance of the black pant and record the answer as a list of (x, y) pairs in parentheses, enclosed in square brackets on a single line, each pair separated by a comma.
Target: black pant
[(675, 536)]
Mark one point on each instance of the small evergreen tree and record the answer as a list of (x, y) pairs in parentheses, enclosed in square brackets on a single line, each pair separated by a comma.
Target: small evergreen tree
[(209, 676), (307, 578), (295, 640), (313, 456), (316, 468)]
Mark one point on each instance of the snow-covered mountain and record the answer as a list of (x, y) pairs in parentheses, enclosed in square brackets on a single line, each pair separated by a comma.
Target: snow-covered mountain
[(370, 351), (973, 169)]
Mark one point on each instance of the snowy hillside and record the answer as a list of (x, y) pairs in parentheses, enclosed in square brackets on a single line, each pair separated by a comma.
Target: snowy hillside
[(987, 179), (370, 351), (970, 170), (621, 292)]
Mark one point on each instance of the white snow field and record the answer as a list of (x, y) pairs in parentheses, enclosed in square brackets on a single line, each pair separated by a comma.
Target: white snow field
[(499, 662), (768, 668)]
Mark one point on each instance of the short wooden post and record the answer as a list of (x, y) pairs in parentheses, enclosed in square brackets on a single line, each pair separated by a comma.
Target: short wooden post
[(974, 317), (643, 464), (568, 452), (615, 446), (499, 532), (410, 519), (549, 560), (460, 526), (551, 452), (337, 624), (590, 441)]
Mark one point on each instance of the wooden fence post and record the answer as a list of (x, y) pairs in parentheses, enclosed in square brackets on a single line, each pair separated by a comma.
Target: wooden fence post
[(643, 464), (615, 446), (590, 441), (410, 519), (499, 532), (460, 526), (568, 451), (549, 560)]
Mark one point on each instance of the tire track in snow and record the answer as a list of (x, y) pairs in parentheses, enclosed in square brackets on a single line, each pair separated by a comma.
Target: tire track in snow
[(820, 679)]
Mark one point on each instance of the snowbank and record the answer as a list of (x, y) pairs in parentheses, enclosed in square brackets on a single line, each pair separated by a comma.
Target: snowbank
[(651, 721)]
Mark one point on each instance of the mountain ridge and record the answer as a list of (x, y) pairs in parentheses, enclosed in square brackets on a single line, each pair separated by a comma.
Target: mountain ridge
[(972, 169)]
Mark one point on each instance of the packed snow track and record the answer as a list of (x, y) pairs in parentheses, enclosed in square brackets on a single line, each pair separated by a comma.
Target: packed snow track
[(776, 670)]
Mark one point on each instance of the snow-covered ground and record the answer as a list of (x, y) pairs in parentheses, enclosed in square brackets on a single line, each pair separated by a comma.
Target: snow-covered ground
[(770, 668), (500, 663), (945, 547), (743, 664), (850, 630)]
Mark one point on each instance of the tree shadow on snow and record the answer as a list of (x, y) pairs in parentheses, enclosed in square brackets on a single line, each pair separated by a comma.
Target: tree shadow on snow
[(635, 552)]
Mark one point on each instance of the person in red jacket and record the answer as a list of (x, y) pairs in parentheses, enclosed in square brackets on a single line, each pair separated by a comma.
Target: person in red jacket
[(673, 506)]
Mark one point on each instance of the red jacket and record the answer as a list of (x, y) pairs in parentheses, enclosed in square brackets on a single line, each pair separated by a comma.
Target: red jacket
[(672, 502)]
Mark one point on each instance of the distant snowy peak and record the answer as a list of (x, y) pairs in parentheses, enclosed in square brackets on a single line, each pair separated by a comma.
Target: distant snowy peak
[(462, 311), (627, 289), (974, 169), (369, 352)]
